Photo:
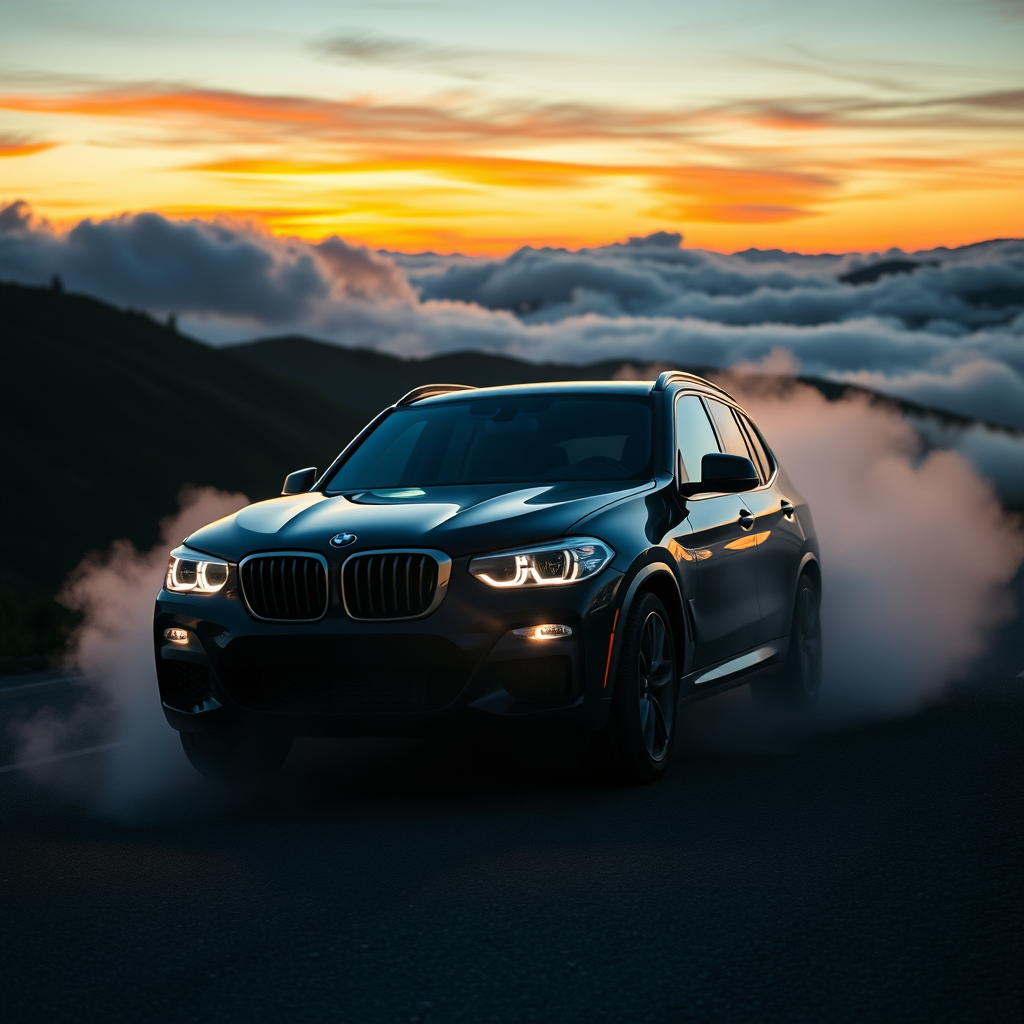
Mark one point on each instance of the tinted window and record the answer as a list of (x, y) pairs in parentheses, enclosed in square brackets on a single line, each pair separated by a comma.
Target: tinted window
[(760, 449), (694, 436), (504, 440), (728, 429)]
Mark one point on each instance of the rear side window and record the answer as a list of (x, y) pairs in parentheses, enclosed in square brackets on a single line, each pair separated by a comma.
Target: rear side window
[(764, 456), (729, 431), (694, 435)]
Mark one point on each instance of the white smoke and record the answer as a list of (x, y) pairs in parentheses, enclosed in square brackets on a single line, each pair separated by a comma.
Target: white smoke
[(916, 555), (113, 648), (997, 454)]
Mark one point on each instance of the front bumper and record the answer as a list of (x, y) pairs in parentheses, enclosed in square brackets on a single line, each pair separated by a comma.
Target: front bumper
[(460, 668)]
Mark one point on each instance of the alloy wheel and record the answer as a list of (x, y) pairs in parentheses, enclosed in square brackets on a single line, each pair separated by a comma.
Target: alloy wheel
[(655, 685)]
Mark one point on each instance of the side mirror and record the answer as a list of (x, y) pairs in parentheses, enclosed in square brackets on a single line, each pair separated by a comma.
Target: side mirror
[(723, 474), (300, 481)]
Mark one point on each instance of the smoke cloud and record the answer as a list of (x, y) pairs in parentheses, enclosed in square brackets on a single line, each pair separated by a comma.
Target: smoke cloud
[(113, 647), (997, 455), (916, 551), (943, 327)]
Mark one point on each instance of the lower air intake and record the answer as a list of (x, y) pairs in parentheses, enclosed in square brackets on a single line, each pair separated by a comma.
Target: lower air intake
[(537, 680), (183, 685), (343, 675)]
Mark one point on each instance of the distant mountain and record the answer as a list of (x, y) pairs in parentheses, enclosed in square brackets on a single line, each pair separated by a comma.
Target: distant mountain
[(106, 414), (367, 381), (884, 268)]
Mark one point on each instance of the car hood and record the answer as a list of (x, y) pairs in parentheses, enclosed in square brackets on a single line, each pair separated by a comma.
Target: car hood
[(456, 520)]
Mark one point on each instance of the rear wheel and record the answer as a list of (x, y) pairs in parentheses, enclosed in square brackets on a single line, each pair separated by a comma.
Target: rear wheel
[(798, 681), (235, 754), (637, 742)]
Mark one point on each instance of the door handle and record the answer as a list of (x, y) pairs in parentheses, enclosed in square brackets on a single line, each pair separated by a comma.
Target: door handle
[(787, 508), (746, 519)]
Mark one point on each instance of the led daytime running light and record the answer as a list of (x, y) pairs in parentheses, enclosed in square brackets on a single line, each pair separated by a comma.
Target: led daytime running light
[(526, 572), (550, 565), (201, 576)]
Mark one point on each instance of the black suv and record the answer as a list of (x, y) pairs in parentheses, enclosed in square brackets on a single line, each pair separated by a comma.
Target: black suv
[(578, 559)]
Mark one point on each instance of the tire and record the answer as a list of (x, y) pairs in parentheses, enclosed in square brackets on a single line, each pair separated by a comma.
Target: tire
[(636, 746), (229, 754), (797, 683)]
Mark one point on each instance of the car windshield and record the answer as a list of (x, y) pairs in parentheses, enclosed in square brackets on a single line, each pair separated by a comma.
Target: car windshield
[(504, 440)]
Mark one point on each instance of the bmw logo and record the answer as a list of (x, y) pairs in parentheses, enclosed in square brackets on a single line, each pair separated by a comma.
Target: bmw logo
[(342, 540)]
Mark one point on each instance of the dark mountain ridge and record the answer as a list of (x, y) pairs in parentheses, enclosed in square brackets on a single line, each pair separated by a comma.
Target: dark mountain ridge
[(105, 416), (366, 381)]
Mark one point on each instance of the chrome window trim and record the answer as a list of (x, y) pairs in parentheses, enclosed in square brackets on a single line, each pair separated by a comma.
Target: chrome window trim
[(736, 407), (747, 424), (444, 572), (276, 554)]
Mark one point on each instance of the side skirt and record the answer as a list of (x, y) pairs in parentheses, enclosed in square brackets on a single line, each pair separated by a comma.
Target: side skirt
[(712, 679)]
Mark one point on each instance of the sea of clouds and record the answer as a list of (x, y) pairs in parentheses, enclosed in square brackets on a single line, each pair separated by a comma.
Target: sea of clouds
[(944, 328)]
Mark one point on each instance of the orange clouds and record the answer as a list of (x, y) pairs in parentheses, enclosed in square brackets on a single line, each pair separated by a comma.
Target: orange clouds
[(454, 172), (502, 172), (18, 147), (356, 120)]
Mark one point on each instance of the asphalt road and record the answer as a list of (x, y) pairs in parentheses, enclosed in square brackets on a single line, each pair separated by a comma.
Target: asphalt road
[(872, 875)]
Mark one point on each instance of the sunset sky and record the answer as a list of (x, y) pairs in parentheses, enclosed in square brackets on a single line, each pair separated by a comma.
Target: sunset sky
[(482, 127)]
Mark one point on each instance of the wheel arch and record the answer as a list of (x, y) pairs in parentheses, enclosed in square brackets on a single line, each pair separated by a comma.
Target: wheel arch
[(809, 566), (659, 579)]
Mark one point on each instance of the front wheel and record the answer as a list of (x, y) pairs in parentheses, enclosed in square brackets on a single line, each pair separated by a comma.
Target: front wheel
[(235, 755), (637, 742)]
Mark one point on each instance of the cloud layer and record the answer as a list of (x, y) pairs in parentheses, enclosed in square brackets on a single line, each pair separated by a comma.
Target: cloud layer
[(944, 327)]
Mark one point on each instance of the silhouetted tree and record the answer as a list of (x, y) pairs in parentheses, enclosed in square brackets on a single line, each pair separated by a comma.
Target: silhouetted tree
[(172, 322), (56, 283)]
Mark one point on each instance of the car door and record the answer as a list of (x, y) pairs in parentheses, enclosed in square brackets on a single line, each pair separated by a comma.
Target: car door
[(780, 539), (725, 607)]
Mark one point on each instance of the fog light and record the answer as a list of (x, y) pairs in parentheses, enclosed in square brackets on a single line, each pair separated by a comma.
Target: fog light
[(176, 636), (549, 631)]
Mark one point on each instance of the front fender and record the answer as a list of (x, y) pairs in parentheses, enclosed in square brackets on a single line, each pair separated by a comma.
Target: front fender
[(661, 573)]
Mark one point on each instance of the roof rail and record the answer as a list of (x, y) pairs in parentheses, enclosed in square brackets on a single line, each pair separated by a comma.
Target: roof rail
[(679, 376), (429, 390)]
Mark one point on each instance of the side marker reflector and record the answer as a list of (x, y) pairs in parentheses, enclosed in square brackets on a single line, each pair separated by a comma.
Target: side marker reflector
[(611, 644)]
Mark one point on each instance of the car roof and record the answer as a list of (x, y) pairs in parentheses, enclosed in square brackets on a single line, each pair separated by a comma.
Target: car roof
[(637, 388)]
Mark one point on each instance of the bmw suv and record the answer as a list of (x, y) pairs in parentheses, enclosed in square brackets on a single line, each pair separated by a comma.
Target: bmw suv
[(571, 559)]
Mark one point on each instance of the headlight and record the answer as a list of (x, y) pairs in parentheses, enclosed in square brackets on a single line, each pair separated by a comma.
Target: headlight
[(190, 571), (548, 565)]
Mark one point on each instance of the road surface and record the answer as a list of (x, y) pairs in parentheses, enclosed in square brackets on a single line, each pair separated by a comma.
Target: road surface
[(871, 875)]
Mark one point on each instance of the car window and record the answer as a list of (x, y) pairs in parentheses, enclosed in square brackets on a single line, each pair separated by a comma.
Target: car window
[(729, 431), (694, 435), (528, 439), (761, 448), (761, 460)]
